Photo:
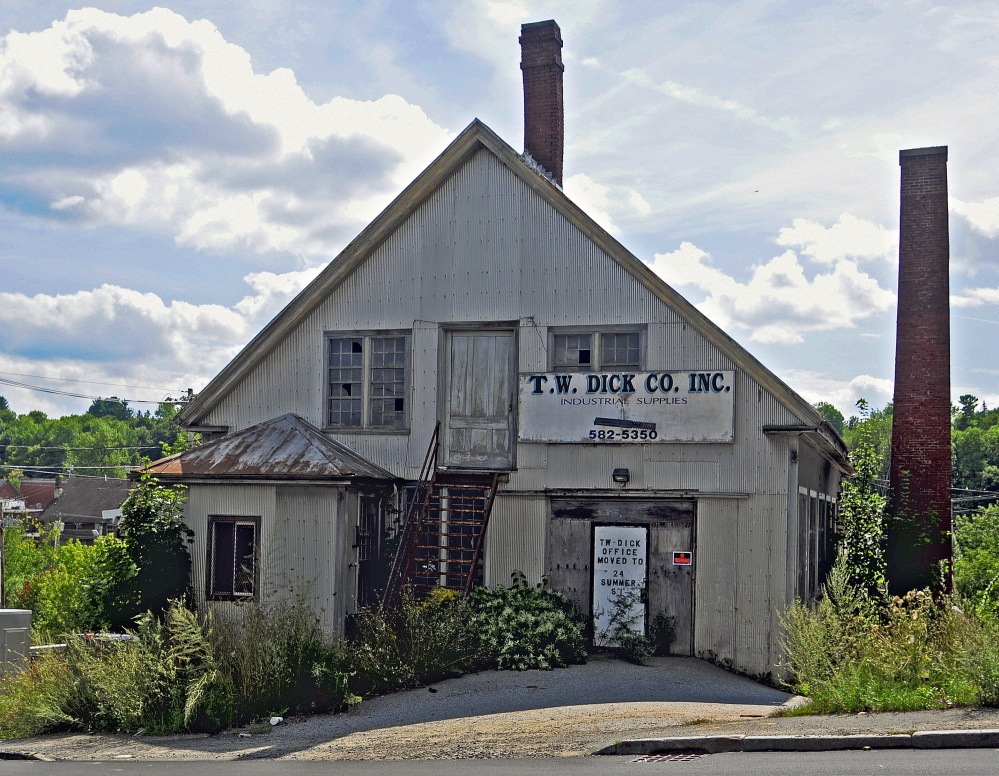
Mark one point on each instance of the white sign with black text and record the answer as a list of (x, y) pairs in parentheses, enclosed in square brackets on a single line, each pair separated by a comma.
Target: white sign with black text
[(611, 407), (620, 560)]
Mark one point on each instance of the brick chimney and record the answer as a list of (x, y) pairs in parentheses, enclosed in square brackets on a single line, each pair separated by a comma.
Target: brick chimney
[(544, 119), (919, 531)]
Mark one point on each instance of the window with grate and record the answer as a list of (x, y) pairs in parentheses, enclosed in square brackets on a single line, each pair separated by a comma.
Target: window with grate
[(597, 351), (366, 381), (232, 558)]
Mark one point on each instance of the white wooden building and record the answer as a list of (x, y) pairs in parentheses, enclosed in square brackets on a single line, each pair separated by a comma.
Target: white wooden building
[(485, 299)]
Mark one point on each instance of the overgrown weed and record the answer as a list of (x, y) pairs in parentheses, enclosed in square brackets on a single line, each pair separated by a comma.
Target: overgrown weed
[(853, 651)]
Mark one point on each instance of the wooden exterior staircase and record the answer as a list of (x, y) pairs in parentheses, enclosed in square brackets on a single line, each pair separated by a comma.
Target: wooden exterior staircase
[(442, 538)]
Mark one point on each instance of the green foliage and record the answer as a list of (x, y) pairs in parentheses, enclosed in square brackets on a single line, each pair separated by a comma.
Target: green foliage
[(852, 653), (179, 673), (114, 408), (66, 584), (526, 626), (861, 512), (425, 642), (157, 543), (831, 414), (976, 557), (185, 672), (871, 428), (109, 436)]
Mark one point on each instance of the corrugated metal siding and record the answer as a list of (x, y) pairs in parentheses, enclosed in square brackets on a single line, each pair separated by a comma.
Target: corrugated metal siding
[(224, 500), (516, 539), (310, 552), (716, 577)]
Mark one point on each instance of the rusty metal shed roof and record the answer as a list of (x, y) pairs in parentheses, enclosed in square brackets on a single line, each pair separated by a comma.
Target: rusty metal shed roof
[(285, 448)]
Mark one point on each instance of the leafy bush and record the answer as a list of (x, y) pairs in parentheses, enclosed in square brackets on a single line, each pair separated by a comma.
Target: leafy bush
[(525, 626), (423, 643), (157, 541), (69, 586), (976, 550)]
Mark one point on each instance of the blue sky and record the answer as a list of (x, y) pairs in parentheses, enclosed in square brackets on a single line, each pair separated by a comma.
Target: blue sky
[(170, 176)]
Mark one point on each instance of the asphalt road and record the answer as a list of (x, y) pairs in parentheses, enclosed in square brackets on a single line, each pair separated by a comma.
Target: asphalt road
[(953, 762)]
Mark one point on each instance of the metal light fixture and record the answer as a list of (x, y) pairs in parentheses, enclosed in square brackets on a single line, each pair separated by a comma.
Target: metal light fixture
[(622, 476)]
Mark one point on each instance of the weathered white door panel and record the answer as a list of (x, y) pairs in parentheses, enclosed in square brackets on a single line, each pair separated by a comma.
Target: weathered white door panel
[(478, 418)]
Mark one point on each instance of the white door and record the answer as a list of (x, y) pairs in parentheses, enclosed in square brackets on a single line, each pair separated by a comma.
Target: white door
[(478, 418)]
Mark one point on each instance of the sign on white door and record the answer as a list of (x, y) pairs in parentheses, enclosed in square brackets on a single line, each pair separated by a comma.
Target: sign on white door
[(620, 559)]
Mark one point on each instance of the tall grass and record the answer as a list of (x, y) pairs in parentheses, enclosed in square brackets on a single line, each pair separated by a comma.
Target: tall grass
[(190, 672), (180, 673), (854, 651)]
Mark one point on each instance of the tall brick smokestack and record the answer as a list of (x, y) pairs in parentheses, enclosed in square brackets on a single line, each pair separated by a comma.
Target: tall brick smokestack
[(919, 528), (544, 118)]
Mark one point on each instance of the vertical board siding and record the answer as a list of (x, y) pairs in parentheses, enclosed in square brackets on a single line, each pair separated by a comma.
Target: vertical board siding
[(716, 578), (304, 532)]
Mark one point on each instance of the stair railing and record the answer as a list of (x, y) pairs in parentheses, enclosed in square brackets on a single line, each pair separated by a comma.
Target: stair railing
[(411, 527)]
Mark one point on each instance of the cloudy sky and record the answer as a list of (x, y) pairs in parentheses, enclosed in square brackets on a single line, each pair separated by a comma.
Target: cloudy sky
[(171, 176)]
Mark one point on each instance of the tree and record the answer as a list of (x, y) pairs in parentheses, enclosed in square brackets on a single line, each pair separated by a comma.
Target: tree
[(861, 512), (157, 542), (113, 407), (831, 414)]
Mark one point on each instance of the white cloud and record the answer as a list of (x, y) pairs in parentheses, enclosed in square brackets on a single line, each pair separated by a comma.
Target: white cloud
[(842, 393), (849, 237), (602, 203), (975, 297), (159, 123), (700, 98), (112, 330), (982, 216), (779, 304)]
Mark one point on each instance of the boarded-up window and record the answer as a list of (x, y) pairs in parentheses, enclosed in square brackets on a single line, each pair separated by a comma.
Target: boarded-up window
[(366, 381), (232, 557)]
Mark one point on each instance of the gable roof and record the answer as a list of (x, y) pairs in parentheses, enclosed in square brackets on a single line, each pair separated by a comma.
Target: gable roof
[(477, 137), (286, 447), (83, 499)]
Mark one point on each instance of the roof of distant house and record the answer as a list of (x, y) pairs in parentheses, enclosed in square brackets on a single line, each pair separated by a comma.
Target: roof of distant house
[(84, 499), (36, 493)]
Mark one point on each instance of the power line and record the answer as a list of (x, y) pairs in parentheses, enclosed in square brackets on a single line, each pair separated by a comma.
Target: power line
[(77, 380), (18, 384), (59, 473), (131, 447)]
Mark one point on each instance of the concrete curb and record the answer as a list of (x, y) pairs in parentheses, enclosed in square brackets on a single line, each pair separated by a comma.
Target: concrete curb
[(929, 739)]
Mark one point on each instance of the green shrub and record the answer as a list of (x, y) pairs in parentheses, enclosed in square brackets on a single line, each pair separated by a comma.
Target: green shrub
[(851, 653), (423, 643), (525, 626), (69, 586)]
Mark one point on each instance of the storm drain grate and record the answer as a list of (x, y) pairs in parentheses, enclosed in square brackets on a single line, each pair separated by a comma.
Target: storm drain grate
[(674, 757)]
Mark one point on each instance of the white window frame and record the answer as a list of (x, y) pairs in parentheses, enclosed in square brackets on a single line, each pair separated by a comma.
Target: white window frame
[(366, 397)]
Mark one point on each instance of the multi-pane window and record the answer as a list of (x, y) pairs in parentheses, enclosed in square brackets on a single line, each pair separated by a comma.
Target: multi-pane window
[(597, 350), (232, 558), (366, 385)]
